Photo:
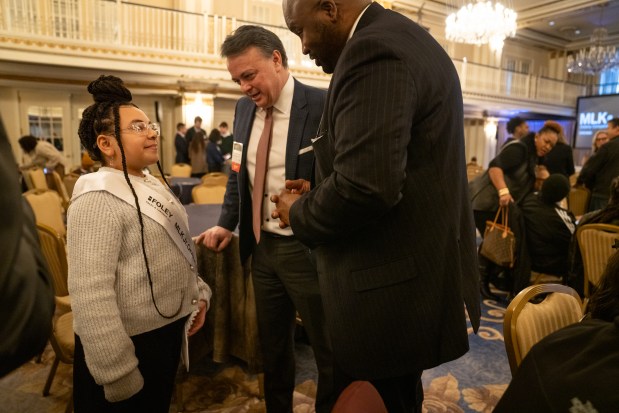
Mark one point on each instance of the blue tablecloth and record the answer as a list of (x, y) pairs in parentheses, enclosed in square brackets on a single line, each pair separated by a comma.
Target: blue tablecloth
[(182, 188), (202, 217)]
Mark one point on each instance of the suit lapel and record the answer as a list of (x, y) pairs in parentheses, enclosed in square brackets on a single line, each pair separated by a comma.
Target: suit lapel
[(298, 117), (244, 125)]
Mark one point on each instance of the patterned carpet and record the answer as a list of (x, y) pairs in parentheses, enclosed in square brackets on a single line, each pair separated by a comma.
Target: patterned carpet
[(473, 383)]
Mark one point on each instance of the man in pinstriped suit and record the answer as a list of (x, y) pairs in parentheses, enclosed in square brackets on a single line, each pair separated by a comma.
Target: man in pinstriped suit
[(389, 220)]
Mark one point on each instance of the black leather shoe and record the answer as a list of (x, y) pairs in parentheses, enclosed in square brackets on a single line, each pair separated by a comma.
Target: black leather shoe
[(486, 293)]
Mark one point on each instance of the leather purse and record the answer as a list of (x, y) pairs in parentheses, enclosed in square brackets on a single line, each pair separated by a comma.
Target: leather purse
[(499, 243)]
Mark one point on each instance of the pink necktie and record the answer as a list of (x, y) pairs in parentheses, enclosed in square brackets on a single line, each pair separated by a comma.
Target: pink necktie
[(262, 159)]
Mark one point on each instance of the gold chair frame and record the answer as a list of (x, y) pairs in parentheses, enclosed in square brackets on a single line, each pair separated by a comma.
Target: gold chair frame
[(566, 309), (596, 246)]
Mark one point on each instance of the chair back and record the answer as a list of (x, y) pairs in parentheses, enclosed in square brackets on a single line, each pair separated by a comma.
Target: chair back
[(36, 178), (55, 253), (215, 179), (527, 323), (203, 194), (578, 200), (60, 187), (596, 246), (181, 170), (48, 210), (69, 181), (359, 397)]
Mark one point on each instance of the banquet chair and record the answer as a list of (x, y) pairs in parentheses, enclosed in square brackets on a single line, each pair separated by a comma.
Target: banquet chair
[(62, 340), (55, 253), (359, 397), (69, 183), (203, 194), (215, 179), (36, 179), (526, 323), (596, 246), (578, 200), (61, 189), (48, 210), (181, 170)]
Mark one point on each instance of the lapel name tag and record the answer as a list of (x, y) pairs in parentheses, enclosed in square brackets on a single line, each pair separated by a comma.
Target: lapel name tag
[(237, 156)]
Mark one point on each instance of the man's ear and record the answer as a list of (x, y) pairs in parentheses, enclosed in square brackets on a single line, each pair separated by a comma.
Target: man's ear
[(329, 8)]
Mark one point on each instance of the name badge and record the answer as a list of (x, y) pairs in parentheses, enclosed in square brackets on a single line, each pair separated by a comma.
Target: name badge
[(237, 156)]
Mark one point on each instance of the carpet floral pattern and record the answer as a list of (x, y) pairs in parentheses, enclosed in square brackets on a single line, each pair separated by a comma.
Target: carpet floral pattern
[(473, 383)]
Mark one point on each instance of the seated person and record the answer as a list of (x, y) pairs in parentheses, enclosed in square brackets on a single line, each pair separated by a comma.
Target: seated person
[(575, 369), (607, 215), (549, 227)]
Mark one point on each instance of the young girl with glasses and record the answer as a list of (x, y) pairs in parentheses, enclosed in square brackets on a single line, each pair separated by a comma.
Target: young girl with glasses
[(132, 269)]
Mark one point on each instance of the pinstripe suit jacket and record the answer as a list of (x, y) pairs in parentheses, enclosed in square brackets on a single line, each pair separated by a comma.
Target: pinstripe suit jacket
[(307, 106), (390, 221)]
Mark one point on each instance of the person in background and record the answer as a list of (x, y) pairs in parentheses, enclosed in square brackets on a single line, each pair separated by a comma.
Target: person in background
[(42, 154), (197, 127), (225, 146), (180, 144), (388, 220), (214, 157), (601, 168), (197, 155), (135, 292), (283, 273), (560, 160), (26, 291), (575, 369), (549, 227), (599, 139), (517, 128), (607, 215), (511, 176)]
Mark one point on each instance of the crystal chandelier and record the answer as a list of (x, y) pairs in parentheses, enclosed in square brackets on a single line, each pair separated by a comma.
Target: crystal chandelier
[(483, 22), (595, 58)]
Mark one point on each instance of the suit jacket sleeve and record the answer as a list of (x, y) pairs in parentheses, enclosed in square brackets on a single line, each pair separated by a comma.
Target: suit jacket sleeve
[(26, 293), (370, 129)]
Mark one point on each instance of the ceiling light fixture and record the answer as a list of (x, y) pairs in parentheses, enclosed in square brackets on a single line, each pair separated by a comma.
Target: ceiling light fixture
[(593, 59), (482, 22)]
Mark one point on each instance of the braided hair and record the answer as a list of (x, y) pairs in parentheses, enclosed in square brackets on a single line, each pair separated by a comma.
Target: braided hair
[(103, 118)]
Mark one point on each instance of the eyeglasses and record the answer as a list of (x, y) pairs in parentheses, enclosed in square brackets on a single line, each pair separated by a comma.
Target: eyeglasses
[(142, 128)]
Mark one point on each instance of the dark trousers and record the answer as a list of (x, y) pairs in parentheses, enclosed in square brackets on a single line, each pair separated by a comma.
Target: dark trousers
[(403, 394), (158, 353), (285, 279)]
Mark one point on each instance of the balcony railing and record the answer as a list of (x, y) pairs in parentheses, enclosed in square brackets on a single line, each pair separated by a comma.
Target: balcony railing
[(189, 38)]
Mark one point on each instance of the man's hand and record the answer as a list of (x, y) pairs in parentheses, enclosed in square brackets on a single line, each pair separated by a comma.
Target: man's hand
[(216, 238), (283, 202), (298, 186), (198, 322)]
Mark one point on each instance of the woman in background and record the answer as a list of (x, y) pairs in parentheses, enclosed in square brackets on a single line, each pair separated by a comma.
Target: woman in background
[(510, 177), (133, 282), (560, 160), (197, 154), (214, 158)]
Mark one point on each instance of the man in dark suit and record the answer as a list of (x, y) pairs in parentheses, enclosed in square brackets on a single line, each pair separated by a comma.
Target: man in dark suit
[(284, 277), (180, 144), (389, 220)]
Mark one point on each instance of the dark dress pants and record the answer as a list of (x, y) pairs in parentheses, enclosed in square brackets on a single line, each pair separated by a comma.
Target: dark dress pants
[(158, 353), (285, 279), (403, 394)]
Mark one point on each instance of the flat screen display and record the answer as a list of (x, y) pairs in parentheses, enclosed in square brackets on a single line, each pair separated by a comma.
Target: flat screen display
[(593, 114)]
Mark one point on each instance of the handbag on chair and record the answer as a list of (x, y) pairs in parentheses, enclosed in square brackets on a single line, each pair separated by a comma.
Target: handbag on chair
[(499, 242)]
